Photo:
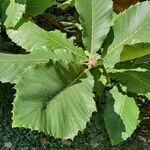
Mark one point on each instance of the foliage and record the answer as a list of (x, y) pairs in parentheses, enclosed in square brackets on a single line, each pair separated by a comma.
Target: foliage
[(93, 137), (57, 82)]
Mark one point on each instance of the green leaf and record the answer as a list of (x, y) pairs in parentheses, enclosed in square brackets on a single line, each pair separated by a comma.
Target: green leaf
[(12, 65), (121, 116), (30, 37), (96, 19), (135, 81), (134, 51), (68, 3), (57, 97), (35, 7), (14, 12), (130, 27), (148, 95)]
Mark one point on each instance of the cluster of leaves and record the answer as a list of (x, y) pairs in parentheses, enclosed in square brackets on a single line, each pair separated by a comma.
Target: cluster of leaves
[(57, 82), (15, 138), (93, 137)]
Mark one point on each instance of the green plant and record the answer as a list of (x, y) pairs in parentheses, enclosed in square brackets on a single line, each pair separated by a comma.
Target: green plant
[(58, 84)]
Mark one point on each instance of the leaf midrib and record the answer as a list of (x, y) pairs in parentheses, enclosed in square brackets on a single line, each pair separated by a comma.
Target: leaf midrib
[(110, 51), (92, 32), (66, 88)]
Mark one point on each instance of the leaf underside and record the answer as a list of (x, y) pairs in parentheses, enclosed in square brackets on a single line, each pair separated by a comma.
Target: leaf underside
[(57, 97), (12, 65), (31, 37)]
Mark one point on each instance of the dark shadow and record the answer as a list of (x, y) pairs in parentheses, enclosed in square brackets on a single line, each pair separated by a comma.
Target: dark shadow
[(68, 74), (71, 73), (23, 2), (99, 87), (4, 5), (107, 42)]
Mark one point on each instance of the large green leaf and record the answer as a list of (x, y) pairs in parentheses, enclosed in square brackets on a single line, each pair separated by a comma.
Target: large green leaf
[(135, 81), (35, 7), (57, 97), (134, 51), (96, 19), (14, 12), (120, 115), (30, 37), (12, 65), (130, 27)]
